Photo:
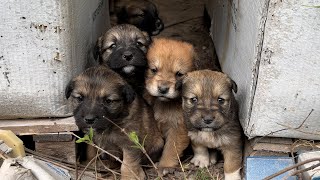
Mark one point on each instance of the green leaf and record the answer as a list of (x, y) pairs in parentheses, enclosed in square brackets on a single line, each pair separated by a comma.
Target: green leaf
[(91, 134), (85, 138), (138, 147), (144, 139), (134, 138)]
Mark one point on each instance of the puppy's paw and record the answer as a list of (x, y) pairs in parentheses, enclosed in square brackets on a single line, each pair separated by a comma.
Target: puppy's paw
[(233, 176), (142, 175), (213, 158), (165, 171), (162, 171), (200, 160)]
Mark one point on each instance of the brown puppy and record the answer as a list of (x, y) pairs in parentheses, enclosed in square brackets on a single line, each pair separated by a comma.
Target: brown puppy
[(211, 114), (168, 61), (103, 96)]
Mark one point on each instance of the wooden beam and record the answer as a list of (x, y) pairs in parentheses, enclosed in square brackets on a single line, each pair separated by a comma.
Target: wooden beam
[(36, 126)]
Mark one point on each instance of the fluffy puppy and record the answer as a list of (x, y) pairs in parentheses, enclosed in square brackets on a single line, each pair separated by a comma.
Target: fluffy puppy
[(141, 13), (103, 96), (168, 61), (123, 48), (211, 114)]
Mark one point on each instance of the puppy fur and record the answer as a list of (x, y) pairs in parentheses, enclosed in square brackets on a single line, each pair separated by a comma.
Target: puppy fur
[(168, 61), (211, 114), (123, 48), (141, 13), (103, 96)]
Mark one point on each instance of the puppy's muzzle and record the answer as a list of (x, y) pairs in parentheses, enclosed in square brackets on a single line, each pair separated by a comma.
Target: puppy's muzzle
[(207, 120), (127, 55), (90, 119), (163, 89)]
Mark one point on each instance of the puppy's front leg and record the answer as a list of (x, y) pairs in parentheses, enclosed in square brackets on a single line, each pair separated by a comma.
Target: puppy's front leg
[(201, 155), (177, 141), (232, 163), (132, 161)]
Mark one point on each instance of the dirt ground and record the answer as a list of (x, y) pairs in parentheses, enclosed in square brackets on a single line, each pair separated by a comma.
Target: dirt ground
[(185, 20)]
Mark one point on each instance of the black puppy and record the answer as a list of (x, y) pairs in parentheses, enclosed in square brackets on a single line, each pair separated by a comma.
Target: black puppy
[(141, 13), (123, 48)]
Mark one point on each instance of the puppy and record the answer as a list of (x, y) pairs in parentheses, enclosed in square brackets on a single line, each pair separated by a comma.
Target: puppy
[(103, 96), (168, 61), (141, 13), (123, 48), (211, 114)]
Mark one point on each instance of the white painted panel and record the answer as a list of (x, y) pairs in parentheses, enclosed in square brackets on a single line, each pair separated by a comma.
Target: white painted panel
[(271, 49), (289, 75), (236, 28)]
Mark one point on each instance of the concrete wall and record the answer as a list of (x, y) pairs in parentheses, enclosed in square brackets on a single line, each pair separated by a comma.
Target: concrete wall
[(270, 48), (44, 44)]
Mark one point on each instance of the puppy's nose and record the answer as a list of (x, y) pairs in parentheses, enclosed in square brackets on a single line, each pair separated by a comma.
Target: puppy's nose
[(208, 119), (127, 56), (90, 119), (163, 89)]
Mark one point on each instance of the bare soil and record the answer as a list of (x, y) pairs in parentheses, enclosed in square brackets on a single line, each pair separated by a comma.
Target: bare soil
[(185, 20)]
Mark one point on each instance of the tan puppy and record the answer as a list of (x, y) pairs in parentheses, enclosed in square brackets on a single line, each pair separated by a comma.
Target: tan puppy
[(108, 104), (211, 115), (168, 61)]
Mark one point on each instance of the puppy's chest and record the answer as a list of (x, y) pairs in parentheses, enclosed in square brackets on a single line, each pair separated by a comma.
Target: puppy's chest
[(208, 139), (168, 114)]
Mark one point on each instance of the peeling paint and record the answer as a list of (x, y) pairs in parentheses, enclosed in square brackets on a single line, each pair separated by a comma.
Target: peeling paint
[(40, 27), (7, 77), (57, 29)]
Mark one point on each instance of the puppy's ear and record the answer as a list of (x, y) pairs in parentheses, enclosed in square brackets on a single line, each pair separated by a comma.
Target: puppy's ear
[(128, 93), (69, 89), (96, 49), (234, 86)]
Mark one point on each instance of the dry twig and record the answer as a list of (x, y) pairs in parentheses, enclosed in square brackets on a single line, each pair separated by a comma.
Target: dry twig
[(182, 168), (291, 167), (141, 147), (115, 157)]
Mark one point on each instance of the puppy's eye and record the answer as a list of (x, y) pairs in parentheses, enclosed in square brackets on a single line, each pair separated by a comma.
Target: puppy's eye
[(79, 98), (193, 100), (112, 46), (221, 101), (108, 101), (139, 44), (154, 70), (179, 74)]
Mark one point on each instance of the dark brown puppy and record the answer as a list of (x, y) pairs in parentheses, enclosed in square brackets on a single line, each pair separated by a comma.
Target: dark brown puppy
[(168, 61), (211, 115), (123, 48), (141, 13), (103, 96)]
